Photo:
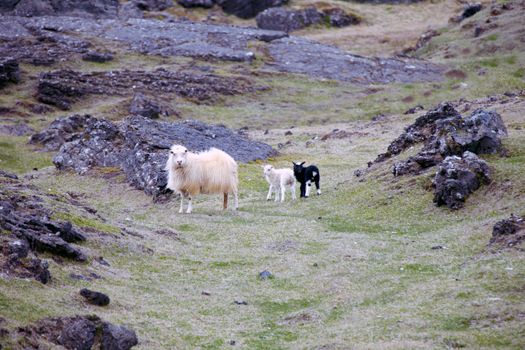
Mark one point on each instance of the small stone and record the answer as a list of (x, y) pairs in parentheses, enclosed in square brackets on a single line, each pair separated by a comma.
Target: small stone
[(264, 275), (102, 261), (240, 302), (95, 298)]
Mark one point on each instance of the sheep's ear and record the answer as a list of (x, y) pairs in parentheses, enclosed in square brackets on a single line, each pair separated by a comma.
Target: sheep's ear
[(293, 163), (302, 163)]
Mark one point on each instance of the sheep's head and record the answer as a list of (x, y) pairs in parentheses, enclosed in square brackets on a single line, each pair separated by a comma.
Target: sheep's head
[(298, 167), (267, 169), (178, 156)]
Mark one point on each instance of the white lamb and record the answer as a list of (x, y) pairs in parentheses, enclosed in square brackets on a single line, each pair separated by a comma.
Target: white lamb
[(212, 171), (279, 179)]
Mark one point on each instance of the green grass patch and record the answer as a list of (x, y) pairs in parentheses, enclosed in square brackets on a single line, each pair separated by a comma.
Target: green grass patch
[(18, 157), (272, 336), (82, 221), (274, 308), (455, 323), (186, 227), (492, 37)]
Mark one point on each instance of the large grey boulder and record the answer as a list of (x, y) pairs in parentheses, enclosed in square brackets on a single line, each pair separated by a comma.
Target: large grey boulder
[(278, 18), (81, 333), (287, 20), (457, 177), (146, 107), (139, 146), (248, 8), (445, 133), (117, 337)]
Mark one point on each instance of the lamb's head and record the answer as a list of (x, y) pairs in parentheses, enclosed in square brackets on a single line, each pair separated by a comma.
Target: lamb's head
[(178, 156), (298, 167), (267, 169)]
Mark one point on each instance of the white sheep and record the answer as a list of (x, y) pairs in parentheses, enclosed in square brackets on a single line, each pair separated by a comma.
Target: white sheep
[(279, 179), (212, 171)]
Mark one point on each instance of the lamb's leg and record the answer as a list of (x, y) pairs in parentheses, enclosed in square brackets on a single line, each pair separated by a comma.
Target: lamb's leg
[(269, 196), (181, 203), (283, 191), (308, 187), (190, 207), (225, 202), (303, 188), (292, 189), (317, 186), (277, 190)]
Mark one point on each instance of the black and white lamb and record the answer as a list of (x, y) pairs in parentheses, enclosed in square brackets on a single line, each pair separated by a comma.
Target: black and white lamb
[(305, 176)]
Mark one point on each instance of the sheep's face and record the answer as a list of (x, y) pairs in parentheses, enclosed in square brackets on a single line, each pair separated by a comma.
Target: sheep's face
[(298, 167), (267, 169), (178, 156)]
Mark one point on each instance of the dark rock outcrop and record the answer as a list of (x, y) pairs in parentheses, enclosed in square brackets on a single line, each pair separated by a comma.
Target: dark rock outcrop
[(95, 298), (139, 146), (445, 133), (79, 333), (64, 87), (117, 337), (457, 177), (196, 3), (9, 71), (143, 106), (60, 131), (153, 5), (420, 131), (248, 8), (18, 264), (470, 10), (206, 41), (287, 20), (26, 218), (98, 57), (75, 8), (277, 18), (509, 232), (337, 17), (299, 55)]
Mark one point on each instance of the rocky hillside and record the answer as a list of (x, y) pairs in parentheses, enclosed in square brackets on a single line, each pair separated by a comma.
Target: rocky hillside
[(412, 110)]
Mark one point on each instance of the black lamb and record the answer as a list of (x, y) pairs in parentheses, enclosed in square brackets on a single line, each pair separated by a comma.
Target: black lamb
[(305, 176)]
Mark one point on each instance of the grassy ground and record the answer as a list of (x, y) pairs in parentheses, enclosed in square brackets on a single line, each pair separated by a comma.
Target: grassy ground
[(353, 268)]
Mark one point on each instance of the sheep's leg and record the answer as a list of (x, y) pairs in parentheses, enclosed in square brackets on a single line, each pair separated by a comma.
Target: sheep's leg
[(308, 187), (269, 196), (283, 191), (181, 203), (225, 202), (292, 189), (317, 186), (277, 190), (190, 207), (303, 188)]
